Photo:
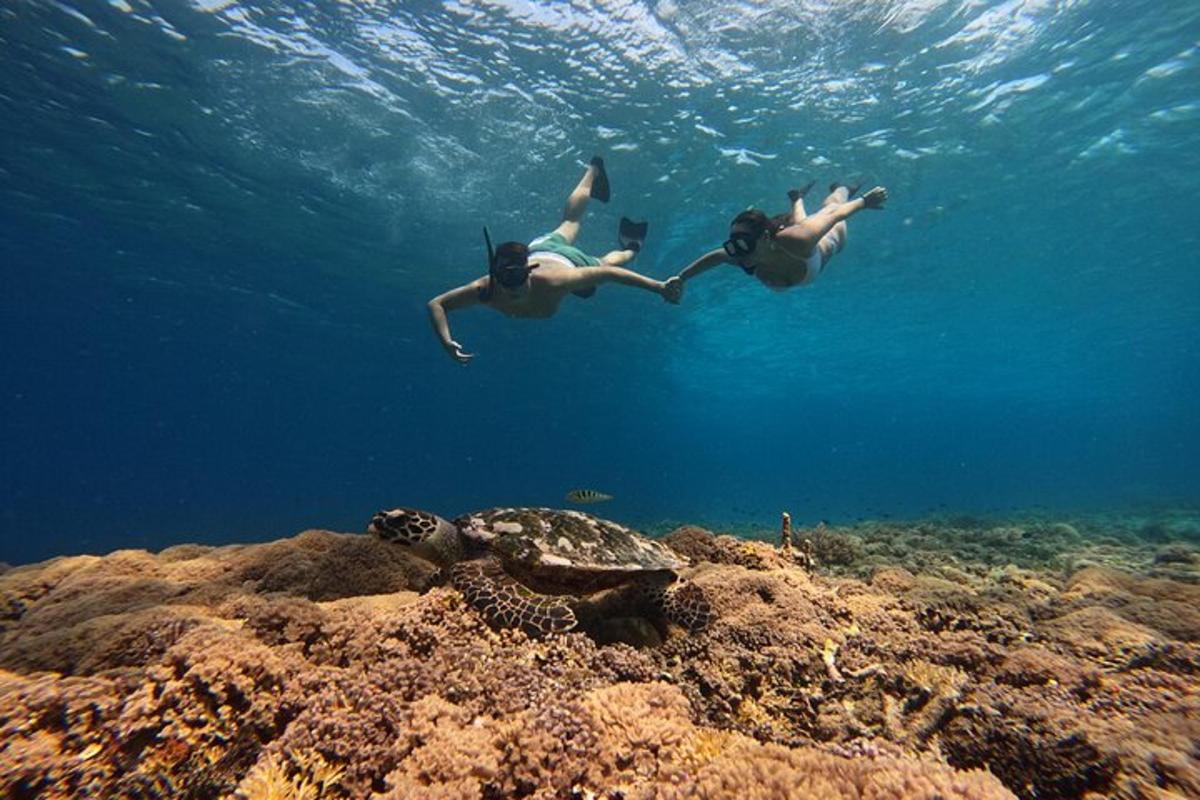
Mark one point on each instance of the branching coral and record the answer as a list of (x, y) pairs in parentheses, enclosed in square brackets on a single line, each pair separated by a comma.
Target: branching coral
[(935, 693), (749, 771), (56, 735), (308, 668), (203, 713), (701, 545), (834, 548), (100, 643), (300, 776), (352, 721)]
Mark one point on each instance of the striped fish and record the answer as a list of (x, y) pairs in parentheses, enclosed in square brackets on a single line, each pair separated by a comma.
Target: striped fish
[(587, 496)]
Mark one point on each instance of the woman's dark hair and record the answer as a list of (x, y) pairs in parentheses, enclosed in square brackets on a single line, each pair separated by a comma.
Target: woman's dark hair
[(751, 221), (755, 222), (779, 222)]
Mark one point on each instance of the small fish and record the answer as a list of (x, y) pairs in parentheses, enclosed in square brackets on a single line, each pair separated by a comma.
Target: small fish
[(587, 496)]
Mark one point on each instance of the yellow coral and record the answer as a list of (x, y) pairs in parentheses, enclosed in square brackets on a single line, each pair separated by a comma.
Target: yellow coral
[(708, 744), (315, 769), (270, 778), (750, 712), (935, 679), (829, 656), (941, 688)]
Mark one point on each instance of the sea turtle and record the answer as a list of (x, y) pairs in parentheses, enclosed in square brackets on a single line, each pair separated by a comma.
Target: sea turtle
[(542, 569)]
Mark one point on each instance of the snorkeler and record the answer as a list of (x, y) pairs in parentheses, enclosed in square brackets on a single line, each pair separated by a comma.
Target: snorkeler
[(789, 249), (531, 280)]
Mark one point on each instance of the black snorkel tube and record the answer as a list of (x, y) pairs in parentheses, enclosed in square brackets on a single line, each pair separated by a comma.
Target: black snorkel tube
[(487, 293), (508, 265)]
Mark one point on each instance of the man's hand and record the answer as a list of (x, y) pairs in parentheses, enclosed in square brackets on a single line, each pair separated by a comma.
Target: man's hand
[(672, 290), (875, 198), (457, 353)]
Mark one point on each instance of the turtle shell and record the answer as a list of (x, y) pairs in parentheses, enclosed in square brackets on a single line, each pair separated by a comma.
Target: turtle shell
[(548, 540)]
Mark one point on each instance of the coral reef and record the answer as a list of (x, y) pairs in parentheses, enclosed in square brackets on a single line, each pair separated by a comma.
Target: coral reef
[(921, 663)]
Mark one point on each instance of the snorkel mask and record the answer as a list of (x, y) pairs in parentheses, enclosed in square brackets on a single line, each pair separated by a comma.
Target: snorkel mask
[(739, 244), (508, 265), (745, 231)]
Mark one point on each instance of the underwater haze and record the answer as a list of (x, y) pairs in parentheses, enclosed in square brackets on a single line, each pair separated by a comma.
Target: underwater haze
[(220, 223)]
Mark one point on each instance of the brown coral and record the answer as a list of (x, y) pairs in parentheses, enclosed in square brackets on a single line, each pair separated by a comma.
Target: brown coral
[(57, 738), (700, 545), (312, 668), (750, 771)]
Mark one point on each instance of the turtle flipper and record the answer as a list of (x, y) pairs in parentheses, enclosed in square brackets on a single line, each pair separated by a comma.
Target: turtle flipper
[(685, 603), (659, 596), (506, 603), (681, 602)]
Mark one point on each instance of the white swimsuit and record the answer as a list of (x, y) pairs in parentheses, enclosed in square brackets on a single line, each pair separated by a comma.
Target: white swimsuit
[(812, 265)]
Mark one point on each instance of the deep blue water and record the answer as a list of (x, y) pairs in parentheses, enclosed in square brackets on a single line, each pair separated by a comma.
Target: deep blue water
[(220, 223)]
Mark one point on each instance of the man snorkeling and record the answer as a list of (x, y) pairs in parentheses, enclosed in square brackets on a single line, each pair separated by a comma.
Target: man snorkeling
[(531, 280), (789, 249)]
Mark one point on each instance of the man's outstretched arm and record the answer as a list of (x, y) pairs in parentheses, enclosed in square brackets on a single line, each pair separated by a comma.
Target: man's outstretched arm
[(453, 300), (587, 277)]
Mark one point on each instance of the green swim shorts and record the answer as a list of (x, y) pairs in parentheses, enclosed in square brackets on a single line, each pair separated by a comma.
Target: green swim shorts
[(556, 243)]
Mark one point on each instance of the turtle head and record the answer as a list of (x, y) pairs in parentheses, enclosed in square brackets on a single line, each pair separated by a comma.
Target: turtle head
[(428, 535)]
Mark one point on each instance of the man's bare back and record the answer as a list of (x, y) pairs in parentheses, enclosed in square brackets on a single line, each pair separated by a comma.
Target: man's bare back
[(549, 283)]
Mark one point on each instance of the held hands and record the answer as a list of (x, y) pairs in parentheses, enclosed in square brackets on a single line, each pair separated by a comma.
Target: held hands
[(457, 353), (875, 198), (672, 290)]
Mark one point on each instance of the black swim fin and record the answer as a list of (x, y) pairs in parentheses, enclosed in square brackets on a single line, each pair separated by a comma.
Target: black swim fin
[(632, 234), (852, 186), (600, 189), (796, 194)]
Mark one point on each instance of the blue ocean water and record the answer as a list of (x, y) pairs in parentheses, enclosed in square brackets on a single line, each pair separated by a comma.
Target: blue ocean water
[(220, 223)]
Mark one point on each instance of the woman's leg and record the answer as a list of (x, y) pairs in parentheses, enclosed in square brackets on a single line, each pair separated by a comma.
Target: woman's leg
[(834, 239), (808, 232), (798, 212), (797, 198), (832, 242), (838, 194)]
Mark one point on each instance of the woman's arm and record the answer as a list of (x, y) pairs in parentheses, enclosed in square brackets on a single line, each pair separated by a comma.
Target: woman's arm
[(453, 300), (703, 264)]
